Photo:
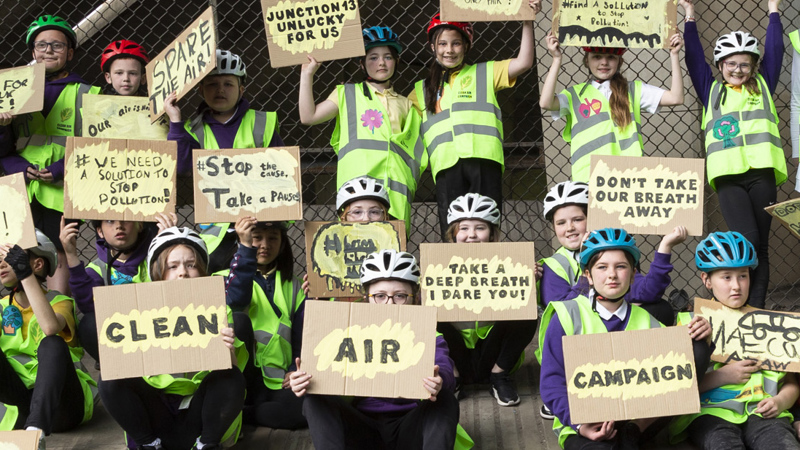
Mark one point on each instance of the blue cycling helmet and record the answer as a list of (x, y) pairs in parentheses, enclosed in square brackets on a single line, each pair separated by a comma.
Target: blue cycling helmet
[(609, 239), (381, 36), (726, 250)]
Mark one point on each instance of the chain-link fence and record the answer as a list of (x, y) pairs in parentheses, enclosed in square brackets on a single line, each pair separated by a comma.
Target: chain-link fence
[(536, 155)]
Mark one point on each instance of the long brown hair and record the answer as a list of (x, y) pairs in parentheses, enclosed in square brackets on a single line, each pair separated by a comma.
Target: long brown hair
[(436, 73), (619, 102), (752, 83), (159, 268)]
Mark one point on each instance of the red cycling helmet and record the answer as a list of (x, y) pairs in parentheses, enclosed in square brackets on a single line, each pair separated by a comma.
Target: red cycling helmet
[(122, 48), (606, 50), (464, 27)]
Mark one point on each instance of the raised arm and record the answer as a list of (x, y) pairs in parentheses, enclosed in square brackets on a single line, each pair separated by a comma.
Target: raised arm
[(311, 113), (524, 60), (674, 96), (547, 97)]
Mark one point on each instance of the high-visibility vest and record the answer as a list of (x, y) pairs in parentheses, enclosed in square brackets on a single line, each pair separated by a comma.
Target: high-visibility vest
[(470, 124), (255, 130), (741, 133), (366, 146), (42, 140), (591, 130), (8, 417), (117, 277), (577, 317), (563, 264)]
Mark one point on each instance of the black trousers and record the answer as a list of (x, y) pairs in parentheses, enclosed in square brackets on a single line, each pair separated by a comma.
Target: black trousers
[(469, 175)]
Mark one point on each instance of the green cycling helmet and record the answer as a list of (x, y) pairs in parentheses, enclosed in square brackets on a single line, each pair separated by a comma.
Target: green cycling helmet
[(48, 22)]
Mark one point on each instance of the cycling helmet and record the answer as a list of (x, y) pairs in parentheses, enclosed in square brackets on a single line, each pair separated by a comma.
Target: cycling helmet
[(122, 48), (735, 42), (725, 251), (381, 36), (563, 194), (45, 249), (48, 22), (619, 51), (173, 236), (390, 265), (473, 206), (464, 27), (608, 239), (229, 64), (359, 189)]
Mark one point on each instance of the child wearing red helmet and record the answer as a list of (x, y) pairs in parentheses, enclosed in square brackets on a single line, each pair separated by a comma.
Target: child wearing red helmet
[(123, 64)]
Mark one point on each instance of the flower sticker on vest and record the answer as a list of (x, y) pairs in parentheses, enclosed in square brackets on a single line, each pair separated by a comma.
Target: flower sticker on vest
[(726, 128), (12, 320), (465, 91), (372, 118), (588, 107)]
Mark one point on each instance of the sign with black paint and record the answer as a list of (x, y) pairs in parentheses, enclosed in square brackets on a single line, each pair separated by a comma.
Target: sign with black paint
[(22, 89), (788, 214), (486, 10), (118, 117), (16, 222)]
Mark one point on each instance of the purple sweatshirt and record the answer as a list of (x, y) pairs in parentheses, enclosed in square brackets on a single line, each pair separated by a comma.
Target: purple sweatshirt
[(223, 132), (702, 73)]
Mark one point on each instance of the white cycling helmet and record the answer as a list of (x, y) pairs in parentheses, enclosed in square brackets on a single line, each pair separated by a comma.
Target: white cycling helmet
[(473, 206), (229, 64), (390, 265), (361, 188), (735, 42), (563, 194), (173, 236), (47, 250)]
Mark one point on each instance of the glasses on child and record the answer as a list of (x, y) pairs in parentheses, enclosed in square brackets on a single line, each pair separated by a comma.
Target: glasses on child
[(397, 299), (373, 214), (743, 67), (57, 47)]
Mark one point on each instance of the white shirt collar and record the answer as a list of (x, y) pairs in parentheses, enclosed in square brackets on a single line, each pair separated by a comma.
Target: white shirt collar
[(605, 314), (604, 87)]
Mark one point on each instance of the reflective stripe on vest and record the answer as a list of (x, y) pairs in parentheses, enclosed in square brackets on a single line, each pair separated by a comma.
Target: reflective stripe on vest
[(243, 136), (38, 140), (565, 264), (8, 417), (740, 116), (770, 387), (794, 36)]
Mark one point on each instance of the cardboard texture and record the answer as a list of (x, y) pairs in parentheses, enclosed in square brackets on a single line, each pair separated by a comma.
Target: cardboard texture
[(335, 251), (16, 222), (161, 327), (118, 117), (493, 281), (325, 29), (185, 61), (118, 179), (629, 23), (368, 350), (20, 440), (772, 338), (612, 376), (22, 89), (485, 10), (788, 214), (646, 195), (262, 182)]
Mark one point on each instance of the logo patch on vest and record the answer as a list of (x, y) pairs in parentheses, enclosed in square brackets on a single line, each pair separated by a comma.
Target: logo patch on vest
[(588, 107), (12, 320), (372, 118), (66, 114), (754, 101), (465, 91), (726, 128)]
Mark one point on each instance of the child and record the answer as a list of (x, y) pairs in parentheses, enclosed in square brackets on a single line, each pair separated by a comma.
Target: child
[(387, 277), (745, 159), (617, 102), (395, 155), (740, 405), (462, 124), (123, 64), (34, 143), (151, 409), (44, 386)]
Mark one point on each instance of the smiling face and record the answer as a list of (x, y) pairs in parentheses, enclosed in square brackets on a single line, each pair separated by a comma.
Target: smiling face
[(364, 211), (603, 66), (611, 275), (737, 69), (449, 48), (473, 230), (126, 75), (380, 63), (569, 223), (120, 235), (54, 61), (730, 287), (222, 92)]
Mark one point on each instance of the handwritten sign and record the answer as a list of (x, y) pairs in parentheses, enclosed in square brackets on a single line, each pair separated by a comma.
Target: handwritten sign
[(327, 29), (16, 222), (189, 58), (486, 10), (161, 327), (262, 182), (337, 249), (611, 376), (614, 23), (119, 179), (772, 338), (118, 117), (368, 350), (646, 195), (22, 89), (493, 281), (788, 214), (20, 439)]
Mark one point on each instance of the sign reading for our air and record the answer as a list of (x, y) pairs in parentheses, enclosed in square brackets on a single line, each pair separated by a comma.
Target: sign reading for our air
[(788, 214), (486, 10), (22, 89), (368, 350), (326, 29), (16, 222), (118, 117), (646, 195), (493, 281)]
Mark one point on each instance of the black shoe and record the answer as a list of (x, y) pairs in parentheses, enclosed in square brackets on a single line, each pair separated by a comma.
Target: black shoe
[(546, 414), (630, 435), (503, 389)]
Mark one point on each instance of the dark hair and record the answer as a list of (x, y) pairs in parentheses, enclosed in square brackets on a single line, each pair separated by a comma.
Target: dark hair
[(596, 256), (284, 262), (436, 72), (363, 62), (452, 231), (552, 216)]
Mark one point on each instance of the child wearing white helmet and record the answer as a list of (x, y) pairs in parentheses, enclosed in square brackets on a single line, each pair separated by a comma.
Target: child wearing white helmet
[(744, 151), (44, 385)]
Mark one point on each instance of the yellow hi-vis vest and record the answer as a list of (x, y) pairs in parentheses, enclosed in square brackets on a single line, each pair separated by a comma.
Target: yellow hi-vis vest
[(794, 36), (42, 140), (591, 130), (366, 146), (563, 264), (741, 133), (255, 131), (576, 317), (470, 124), (8, 417)]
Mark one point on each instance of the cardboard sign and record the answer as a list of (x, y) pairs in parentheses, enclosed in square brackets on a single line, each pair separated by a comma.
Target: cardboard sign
[(492, 281), (179, 67), (335, 251), (326, 29), (485, 10), (612, 376), (368, 350), (788, 214), (615, 23), (646, 195), (22, 89), (16, 222), (262, 182), (119, 179), (118, 117), (20, 440), (161, 327), (772, 338)]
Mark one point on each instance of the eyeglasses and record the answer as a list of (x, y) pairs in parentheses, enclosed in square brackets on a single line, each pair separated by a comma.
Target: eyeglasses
[(57, 47), (357, 214), (744, 67), (397, 299)]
